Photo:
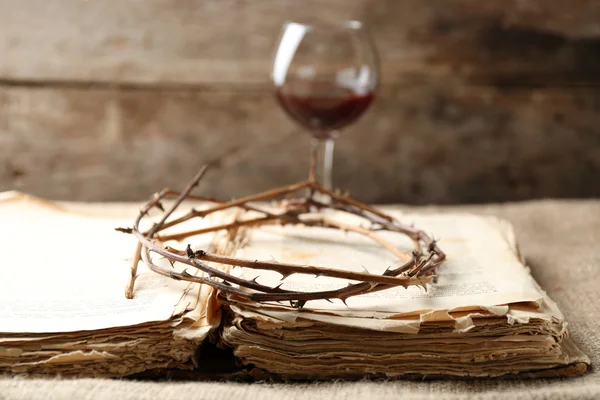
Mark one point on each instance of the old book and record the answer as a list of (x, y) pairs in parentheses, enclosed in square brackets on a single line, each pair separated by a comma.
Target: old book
[(62, 304), (63, 311), (484, 317)]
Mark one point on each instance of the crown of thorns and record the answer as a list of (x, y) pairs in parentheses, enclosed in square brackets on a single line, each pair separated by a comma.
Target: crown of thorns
[(304, 208)]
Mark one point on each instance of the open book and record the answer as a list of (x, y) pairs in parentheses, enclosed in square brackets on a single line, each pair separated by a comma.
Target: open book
[(63, 311), (62, 304)]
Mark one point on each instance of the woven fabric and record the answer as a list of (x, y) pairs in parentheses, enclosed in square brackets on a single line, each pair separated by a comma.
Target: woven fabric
[(561, 243)]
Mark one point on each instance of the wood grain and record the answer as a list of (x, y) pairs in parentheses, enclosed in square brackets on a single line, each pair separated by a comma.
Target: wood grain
[(415, 146), (155, 42), (481, 100)]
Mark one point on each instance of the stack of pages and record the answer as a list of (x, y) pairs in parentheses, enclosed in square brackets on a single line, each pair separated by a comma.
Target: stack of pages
[(484, 317), (62, 304)]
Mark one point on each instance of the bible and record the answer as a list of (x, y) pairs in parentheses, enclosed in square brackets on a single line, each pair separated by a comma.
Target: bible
[(62, 308)]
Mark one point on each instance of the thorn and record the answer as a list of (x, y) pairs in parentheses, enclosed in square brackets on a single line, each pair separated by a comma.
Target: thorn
[(200, 253), (160, 206), (372, 285), (255, 278), (297, 303), (329, 300), (284, 275), (189, 252), (366, 270), (124, 230), (278, 286), (344, 301), (172, 262), (431, 246), (272, 259)]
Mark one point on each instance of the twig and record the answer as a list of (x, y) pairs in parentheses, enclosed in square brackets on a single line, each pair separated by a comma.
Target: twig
[(136, 257), (237, 203), (231, 225), (133, 271), (194, 182), (287, 269), (352, 202), (370, 234), (388, 223)]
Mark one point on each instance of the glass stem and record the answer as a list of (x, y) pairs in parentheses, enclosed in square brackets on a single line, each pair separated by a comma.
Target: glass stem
[(322, 162)]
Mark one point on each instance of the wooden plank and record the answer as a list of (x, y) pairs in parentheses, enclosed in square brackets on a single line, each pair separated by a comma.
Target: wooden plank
[(139, 41), (416, 145), (218, 42)]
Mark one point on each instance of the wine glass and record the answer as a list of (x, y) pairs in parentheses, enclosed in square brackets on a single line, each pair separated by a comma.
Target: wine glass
[(325, 75)]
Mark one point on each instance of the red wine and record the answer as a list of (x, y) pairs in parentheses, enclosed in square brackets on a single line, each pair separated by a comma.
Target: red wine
[(322, 108)]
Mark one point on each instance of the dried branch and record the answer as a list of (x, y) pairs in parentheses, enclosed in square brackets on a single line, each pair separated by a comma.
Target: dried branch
[(237, 203), (133, 268), (421, 239), (366, 232), (194, 182), (156, 202), (288, 269), (231, 225), (417, 269)]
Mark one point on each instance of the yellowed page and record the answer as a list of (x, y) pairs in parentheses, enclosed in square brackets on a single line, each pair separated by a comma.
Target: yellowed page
[(483, 268), (62, 272)]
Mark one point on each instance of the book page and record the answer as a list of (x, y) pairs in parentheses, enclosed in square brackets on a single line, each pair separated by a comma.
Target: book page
[(483, 269), (63, 272)]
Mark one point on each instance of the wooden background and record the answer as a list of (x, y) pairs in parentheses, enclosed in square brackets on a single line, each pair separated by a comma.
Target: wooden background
[(490, 100)]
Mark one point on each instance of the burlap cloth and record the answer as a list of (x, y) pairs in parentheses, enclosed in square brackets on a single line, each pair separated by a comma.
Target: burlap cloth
[(561, 241)]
